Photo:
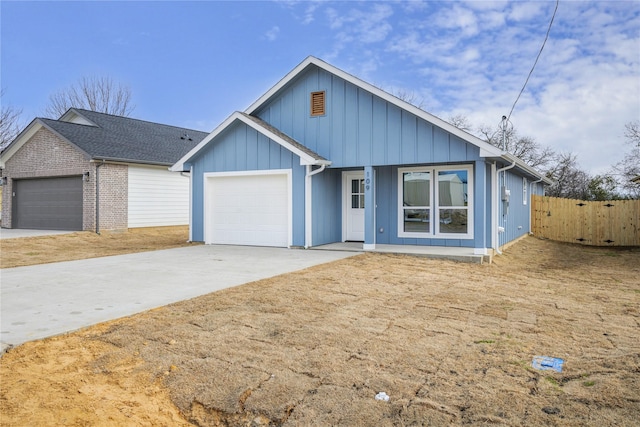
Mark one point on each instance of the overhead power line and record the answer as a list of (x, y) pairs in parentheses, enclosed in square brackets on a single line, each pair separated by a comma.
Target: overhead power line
[(536, 61)]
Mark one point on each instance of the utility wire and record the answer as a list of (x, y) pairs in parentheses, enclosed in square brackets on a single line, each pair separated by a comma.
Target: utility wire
[(536, 61)]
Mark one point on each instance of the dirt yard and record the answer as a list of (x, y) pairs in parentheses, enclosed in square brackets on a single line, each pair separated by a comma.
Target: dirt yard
[(87, 244), (450, 344)]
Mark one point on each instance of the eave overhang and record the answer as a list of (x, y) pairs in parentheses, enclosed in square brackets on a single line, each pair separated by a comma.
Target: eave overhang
[(307, 156)]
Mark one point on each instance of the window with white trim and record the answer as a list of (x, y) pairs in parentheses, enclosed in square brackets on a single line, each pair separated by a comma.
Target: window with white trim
[(435, 202), (524, 190)]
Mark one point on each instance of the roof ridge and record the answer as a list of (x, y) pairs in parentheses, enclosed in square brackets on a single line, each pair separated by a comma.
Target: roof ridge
[(82, 110), (68, 123)]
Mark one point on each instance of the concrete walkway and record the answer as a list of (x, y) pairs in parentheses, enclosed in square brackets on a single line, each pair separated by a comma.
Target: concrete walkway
[(45, 300), (436, 252)]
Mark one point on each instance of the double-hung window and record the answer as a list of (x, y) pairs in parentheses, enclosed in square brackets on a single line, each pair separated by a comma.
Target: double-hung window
[(435, 202)]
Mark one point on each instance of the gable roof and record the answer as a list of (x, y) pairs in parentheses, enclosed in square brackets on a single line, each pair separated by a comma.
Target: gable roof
[(307, 156), (103, 136), (487, 150)]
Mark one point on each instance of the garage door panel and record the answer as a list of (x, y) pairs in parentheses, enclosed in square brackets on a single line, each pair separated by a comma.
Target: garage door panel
[(48, 203), (249, 210)]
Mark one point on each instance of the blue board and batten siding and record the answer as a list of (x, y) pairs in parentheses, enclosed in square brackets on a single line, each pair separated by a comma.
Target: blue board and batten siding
[(358, 130), (241, 148), (327, 207), (516, 221)]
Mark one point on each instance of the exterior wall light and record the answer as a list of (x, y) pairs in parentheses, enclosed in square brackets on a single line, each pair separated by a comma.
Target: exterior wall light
[(85, 177)]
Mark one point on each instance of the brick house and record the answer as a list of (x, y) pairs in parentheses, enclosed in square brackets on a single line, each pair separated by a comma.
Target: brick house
[(95, 171)]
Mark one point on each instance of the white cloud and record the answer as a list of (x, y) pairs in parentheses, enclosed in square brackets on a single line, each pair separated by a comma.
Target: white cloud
[(365, 26), (357, 30), (272, 34), (526, 11), (583, 90), (308, 14), (491, 19), (458, 19), (484, 5)]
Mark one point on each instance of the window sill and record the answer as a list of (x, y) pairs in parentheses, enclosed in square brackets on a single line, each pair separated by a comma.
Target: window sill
[(435, 236)]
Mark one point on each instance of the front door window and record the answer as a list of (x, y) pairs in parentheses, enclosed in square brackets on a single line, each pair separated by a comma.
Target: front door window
[(357, 194)]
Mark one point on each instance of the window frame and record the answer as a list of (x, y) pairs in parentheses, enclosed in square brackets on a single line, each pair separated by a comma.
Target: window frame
[(359, 194), (434, 207), (525, 183)]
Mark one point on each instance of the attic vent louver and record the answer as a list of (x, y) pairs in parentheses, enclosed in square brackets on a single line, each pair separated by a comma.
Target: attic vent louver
[(317, 103)]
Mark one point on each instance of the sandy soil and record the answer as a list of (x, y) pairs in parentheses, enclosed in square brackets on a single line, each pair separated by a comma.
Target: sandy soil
[(87, 244), (450, 343)]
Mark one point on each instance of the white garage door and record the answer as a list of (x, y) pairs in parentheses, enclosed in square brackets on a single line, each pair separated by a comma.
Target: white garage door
[(248, 209)]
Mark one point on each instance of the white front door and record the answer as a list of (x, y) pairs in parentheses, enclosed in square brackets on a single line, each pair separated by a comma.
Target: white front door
[(353, 203)]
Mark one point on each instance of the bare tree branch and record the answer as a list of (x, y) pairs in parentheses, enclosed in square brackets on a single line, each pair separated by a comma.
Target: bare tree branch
[(632, 133), (9, 123), (409, 96), (629, 168), (570, 181), (525, 148), (461, 122), (100, 94)]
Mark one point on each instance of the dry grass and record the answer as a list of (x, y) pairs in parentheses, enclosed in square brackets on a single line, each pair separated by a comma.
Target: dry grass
[(450, 343), (87, 244)]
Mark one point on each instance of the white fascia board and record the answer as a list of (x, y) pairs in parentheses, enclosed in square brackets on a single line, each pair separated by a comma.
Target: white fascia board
[(283, 82), (20, 140), (305, 159), (491, 152), (486, 149), (71, 115), (28, 132), (179, 165), (526, 168)]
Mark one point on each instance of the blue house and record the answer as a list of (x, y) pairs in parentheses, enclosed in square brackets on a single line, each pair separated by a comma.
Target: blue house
[(324, 157)]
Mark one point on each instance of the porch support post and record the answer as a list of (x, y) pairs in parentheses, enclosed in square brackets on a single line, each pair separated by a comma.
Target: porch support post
[(369, 208)]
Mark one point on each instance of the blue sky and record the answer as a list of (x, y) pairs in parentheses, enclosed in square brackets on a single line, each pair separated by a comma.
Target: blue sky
[(193, 63)]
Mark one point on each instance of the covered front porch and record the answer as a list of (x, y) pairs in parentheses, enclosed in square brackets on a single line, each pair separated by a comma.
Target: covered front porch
[(460, 254)]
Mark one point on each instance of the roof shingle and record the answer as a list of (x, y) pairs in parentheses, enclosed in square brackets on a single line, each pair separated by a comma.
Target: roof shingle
[(125, 139)]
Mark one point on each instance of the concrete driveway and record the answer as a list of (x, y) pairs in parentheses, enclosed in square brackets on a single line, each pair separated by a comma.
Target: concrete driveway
[(15, 233), (45, 300)]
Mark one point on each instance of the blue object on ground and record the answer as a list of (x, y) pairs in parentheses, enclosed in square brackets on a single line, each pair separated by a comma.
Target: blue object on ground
[(545, 363)]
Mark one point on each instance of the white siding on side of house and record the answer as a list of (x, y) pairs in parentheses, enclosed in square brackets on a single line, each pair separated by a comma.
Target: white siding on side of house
[(157, 197)]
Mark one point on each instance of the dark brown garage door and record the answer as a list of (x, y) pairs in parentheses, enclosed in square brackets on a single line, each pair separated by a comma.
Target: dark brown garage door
[(48, 204)]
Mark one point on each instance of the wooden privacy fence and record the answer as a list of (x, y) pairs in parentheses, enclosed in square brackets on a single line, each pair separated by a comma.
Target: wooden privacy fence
[(609, 223)]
